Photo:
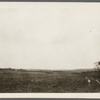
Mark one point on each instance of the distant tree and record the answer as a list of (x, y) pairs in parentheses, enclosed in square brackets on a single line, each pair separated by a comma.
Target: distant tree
[(97, 66)]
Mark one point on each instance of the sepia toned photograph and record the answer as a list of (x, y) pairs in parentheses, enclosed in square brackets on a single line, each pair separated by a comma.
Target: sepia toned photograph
[(49, 47)]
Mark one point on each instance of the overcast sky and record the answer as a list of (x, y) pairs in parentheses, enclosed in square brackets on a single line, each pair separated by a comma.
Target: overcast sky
[(49, 35)]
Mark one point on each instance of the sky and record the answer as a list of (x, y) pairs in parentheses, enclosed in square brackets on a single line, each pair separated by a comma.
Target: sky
[(49, 35)]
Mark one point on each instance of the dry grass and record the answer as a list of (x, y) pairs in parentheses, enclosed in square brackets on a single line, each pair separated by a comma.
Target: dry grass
[(12, 81)]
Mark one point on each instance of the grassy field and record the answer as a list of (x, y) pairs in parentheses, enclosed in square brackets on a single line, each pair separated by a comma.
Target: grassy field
[(24, 81)]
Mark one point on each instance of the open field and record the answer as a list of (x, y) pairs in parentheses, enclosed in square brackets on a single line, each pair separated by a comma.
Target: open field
[(25, 81)]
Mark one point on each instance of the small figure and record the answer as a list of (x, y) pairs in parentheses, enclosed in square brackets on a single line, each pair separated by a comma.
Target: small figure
[(88, 80)]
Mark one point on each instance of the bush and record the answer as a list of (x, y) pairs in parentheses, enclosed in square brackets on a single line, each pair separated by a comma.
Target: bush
[(97, 66)]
